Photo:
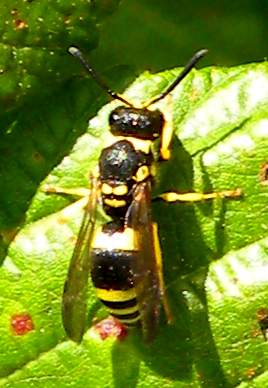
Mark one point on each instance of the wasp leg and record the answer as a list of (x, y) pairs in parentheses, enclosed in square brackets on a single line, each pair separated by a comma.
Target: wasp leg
[(72, 210), (167, 133), (78, 191), (197, 197), (159, 262)]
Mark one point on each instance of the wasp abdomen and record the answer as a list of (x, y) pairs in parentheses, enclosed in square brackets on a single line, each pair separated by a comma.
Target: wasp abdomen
[(112, 275), (111, 269)]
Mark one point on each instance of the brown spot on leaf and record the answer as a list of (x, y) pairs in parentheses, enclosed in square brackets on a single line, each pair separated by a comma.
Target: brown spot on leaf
[(264, 173), (38, 157), (262, 317), (8, 235), (251, 372), (20, 24)]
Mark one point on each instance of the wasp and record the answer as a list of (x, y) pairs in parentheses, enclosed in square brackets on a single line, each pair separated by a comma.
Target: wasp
[(123, 256)]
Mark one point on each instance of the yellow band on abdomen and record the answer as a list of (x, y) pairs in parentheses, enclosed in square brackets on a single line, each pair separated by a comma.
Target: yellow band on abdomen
[(116, 295)]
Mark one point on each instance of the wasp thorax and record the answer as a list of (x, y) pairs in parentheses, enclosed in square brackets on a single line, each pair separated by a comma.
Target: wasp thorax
[(141, 123), (119, 162)]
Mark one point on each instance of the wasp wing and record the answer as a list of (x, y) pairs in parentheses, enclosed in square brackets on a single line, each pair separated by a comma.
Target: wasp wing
[(145, 268), (74, 299)]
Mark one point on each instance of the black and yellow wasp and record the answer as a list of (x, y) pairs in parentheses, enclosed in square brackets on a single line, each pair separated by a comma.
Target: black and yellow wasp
[(123, 256)]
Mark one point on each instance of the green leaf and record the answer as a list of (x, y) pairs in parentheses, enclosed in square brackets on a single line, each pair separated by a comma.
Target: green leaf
[(215, 253), (237, 289), (44, 101)]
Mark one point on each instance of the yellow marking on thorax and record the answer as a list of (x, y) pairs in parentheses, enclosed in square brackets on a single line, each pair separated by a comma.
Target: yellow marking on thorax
[(115, 202), (106, 189), (142, 173), (116, 295), (120, 190), (139, 144), (125, 240)]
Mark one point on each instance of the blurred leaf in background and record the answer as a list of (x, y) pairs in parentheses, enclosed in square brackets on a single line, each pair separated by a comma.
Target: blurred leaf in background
[(156, 34)]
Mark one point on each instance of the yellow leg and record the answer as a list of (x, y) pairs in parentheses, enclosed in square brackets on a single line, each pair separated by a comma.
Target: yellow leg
[(78, 191), (197, 197), (167, 133), (158, 256)]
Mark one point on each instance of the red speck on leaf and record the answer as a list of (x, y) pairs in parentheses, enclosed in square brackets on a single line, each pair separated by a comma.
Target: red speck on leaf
[(20, 24), (111, 327), (21, 323)]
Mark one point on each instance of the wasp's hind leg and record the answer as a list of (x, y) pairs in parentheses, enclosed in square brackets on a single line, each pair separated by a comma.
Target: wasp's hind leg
[(173, 196), (167, 133)]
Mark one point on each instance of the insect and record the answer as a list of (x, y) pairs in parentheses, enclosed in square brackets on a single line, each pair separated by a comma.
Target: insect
[(123, 256)]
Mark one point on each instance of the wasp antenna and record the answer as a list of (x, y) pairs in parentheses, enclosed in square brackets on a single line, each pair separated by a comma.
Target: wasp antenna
[(75, 52), (188, 67)]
